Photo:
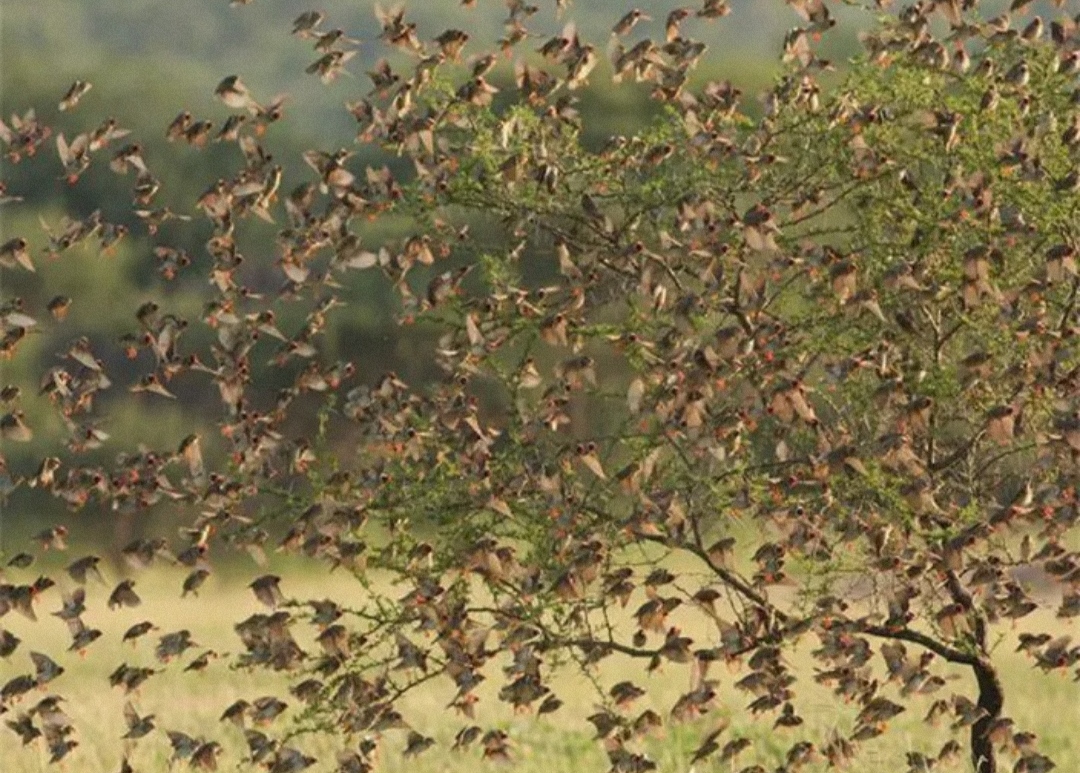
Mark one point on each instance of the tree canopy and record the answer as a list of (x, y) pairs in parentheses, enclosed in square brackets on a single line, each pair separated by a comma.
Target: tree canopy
[(766, 375)]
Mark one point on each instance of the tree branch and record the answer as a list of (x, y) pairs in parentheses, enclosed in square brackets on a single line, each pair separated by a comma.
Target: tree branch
[(951, 654)]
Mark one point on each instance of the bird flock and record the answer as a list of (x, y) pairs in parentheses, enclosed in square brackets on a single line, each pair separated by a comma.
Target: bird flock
[(820, 347)]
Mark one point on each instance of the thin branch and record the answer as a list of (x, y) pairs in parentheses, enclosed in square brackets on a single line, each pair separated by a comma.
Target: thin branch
[(726, 576), (938, 465), (962, 596), (950, 654)]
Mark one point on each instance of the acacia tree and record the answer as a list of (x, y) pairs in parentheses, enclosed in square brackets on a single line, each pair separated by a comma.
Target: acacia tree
[(804, 373)]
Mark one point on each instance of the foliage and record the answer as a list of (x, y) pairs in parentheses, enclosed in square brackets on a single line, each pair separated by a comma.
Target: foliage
[(808, 376)]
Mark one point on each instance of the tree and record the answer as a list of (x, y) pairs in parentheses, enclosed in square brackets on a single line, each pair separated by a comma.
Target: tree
[(809, 376)]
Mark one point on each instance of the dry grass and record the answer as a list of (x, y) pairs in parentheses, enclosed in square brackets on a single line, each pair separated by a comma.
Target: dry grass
[(1049, 704)]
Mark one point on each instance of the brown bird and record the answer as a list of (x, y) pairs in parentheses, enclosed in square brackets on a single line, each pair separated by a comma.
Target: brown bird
[(267, 590), (236, 712), (878, 711), (417, 743), (629, 21), (183, 745), (714, 9), (23, 726), (232, 91), (451, 42), (9, 642), (266, 709), (329, 66), (73, 605), (16, 687), (59, 744), (124, 595), (138, 630), (130, 678), (201, 663), (54, 538), (625, 693), (174, 644), (305, 23), (179, 127), (259, 745), (16, 251), (138, 726), (733, 748), (46, 669), (709, 745), (81, 635), (467, 736), (59, 306), (83, 568), (194, 581), (205, 756), (290, 760), (13, 427)]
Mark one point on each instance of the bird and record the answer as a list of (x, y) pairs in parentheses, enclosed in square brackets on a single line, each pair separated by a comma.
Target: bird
[(138, 726), (83, 568), (45, 668), (123, 595), (232, 91), (630, 20), (172, 645), (267, 590)]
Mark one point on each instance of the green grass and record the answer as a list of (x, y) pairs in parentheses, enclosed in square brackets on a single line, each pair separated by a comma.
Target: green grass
[(192, 703)]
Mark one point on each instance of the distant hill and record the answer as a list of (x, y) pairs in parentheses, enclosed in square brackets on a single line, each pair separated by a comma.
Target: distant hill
[(136, 47)]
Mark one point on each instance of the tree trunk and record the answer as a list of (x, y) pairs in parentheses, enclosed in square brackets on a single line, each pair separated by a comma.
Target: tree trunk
[(991, 699)]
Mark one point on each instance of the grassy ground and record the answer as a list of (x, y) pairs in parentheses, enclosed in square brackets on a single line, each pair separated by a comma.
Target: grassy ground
[(192, 703)]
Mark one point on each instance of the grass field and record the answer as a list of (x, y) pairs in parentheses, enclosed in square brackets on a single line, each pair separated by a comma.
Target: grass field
[(1048, 704)]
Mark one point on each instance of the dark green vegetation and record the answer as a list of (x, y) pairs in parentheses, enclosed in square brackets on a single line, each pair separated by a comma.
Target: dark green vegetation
[(785, 385)]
